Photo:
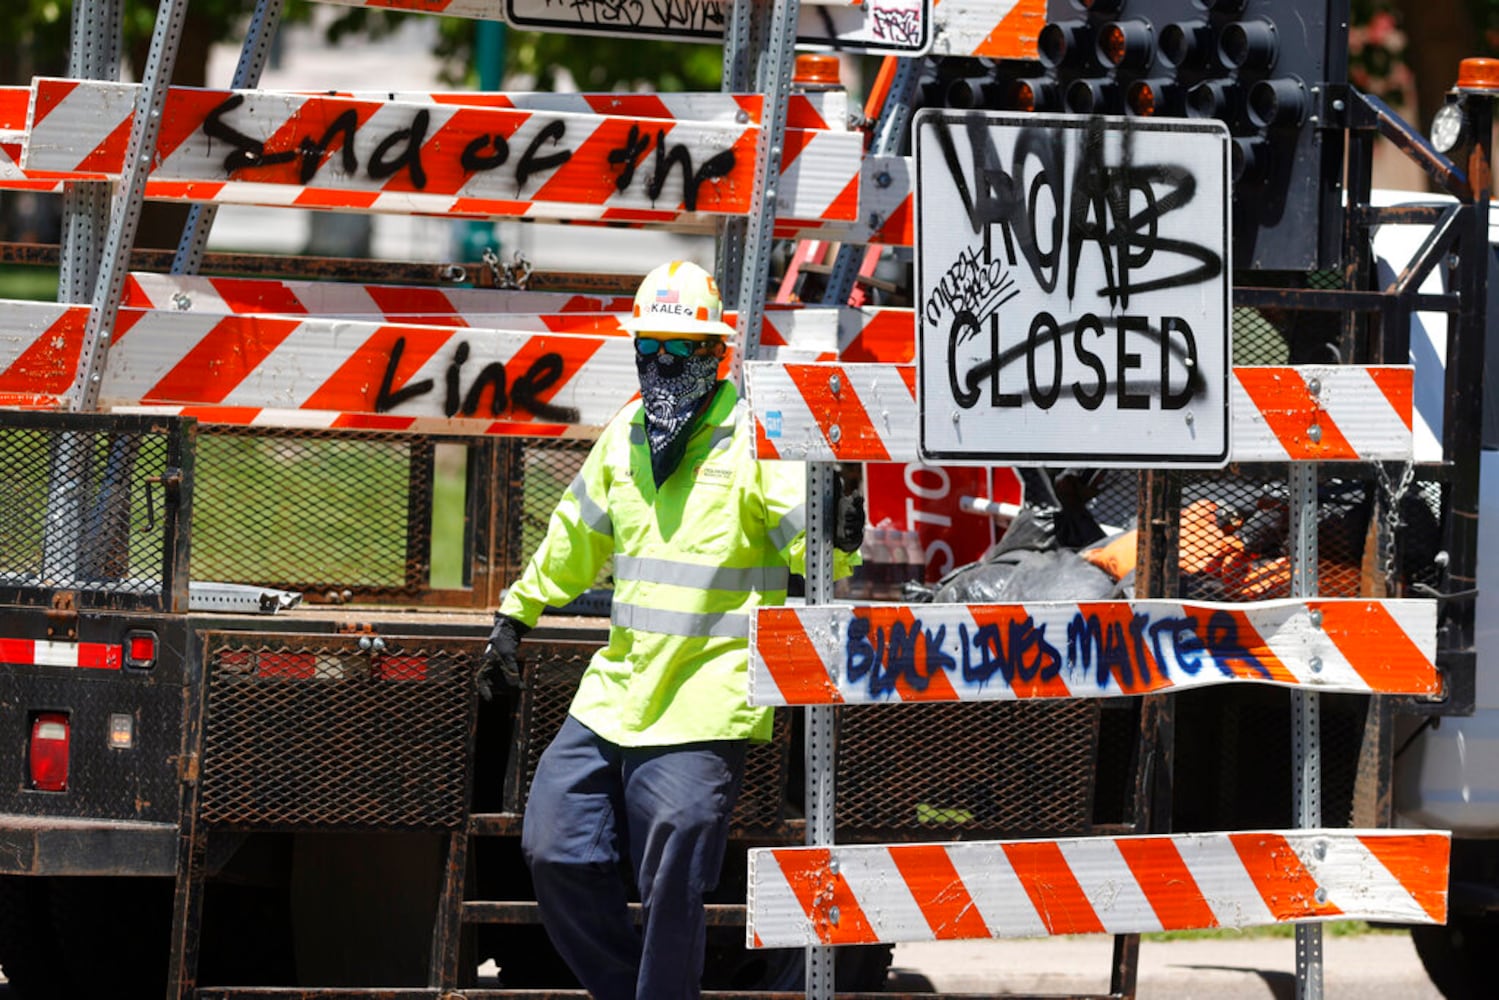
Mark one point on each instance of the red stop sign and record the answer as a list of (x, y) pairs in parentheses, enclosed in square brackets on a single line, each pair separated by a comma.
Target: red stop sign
[(925, 499)]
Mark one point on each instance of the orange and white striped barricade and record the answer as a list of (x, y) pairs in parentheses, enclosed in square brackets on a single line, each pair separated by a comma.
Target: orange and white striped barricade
[(992, 29), (794, 332), (834, 412), (322, 152), (835, 654), (221, 296), (825, 111), (484, 10), (13, 104), (840, 412), (886, 209), (13, 178), (311, 372), (40, 343), (1322, 413), (869, 894), (822, 334)]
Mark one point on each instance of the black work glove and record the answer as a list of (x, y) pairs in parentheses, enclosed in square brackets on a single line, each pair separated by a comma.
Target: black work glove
[(499, 653), (848, 514)]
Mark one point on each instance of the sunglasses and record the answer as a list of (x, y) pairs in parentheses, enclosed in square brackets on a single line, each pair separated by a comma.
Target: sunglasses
[(679, 346)]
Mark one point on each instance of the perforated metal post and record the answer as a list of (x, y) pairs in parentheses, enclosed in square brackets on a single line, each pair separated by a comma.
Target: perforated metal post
[(252, 59), (774, 65), (744, 36), (889, 136), (125, 211), (820, 730), (1306, 714), (93, 54)]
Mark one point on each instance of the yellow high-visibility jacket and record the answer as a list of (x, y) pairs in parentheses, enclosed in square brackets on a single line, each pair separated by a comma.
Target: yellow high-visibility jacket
[(691, 564)]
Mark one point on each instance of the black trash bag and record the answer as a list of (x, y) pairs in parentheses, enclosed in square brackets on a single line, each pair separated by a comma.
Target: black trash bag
[(1064, 496), (1026, 575), (1031, 562)]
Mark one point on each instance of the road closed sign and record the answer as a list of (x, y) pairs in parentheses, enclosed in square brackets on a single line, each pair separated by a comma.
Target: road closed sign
[(1072, 289)]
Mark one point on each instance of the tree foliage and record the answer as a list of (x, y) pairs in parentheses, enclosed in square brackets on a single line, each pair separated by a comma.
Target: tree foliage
[(592, 62)]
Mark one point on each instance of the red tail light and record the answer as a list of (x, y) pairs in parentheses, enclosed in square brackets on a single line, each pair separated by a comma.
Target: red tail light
[(140, 650), (49, 751)]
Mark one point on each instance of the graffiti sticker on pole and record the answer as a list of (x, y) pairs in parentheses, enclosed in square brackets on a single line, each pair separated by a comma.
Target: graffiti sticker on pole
[(1072, 289)]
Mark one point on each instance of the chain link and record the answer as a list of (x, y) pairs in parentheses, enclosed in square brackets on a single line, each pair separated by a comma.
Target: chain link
[(513, 275), (1394, 496)]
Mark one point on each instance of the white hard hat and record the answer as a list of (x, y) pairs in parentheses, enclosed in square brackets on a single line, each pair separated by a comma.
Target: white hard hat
[(678, 297)]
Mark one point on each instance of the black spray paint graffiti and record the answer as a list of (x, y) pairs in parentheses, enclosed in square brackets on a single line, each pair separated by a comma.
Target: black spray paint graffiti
[(611, 12), (1108, 654), (692, 15), (523, 395), (677, 15), (975, 284), (1049, 217), (402, 149), (901, 27)]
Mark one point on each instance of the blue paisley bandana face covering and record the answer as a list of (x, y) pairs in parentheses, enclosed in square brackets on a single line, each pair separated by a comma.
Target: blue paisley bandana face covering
[(672, 389)]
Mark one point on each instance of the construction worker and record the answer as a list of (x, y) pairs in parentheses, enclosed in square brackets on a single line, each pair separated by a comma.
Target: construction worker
[(648, 763)]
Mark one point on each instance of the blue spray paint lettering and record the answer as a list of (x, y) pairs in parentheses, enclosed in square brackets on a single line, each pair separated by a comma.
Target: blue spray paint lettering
[(1113, 652)]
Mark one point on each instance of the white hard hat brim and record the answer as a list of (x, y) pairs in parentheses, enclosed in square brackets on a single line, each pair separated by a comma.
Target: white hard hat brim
[(667, 323)]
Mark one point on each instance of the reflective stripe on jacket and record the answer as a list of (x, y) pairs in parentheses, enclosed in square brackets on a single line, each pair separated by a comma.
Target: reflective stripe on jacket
[(691, 563)]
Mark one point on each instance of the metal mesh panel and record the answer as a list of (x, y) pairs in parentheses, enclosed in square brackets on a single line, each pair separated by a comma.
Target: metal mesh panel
[(303, 733), (1419, 557), (1237, 774), (83, 509), (961, 771), (1266, 336), (1234, 534), (313, 511), (552, 675)]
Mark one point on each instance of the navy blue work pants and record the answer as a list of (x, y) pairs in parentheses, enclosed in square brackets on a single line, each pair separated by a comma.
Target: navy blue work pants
[(664, 809)]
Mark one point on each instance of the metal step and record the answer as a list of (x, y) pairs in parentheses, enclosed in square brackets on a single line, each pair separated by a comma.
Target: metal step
[(483, 911), (494, 825), (419, 993)]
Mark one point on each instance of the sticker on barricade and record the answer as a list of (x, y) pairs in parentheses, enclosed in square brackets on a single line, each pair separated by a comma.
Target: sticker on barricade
[(884, 893), (894, 653), (321, 152), (830, 412)]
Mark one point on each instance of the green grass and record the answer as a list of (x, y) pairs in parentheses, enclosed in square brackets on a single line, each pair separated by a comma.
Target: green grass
[(18, 282), (1335, 928), (447, 518)]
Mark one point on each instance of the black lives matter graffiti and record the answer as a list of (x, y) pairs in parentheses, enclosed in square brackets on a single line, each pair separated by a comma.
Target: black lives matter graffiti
[(1075, 270), (1149, 651)]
